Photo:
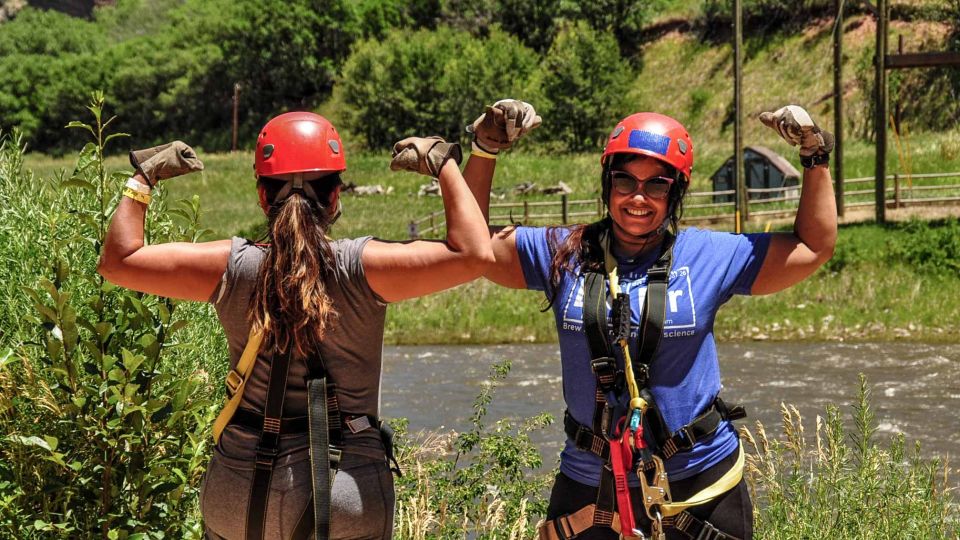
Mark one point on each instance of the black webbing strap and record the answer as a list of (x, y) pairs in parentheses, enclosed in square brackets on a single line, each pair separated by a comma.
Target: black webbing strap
[(595, 314), (654, 310), (606, 502), (684, 439), (696, 529), (267, 447), (602, 363), (320, 461)]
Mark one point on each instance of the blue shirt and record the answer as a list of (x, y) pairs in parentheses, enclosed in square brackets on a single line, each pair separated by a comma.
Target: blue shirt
[(708, 269)]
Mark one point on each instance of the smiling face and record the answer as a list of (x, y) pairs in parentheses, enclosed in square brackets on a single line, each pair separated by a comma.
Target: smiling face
[(637, 214)]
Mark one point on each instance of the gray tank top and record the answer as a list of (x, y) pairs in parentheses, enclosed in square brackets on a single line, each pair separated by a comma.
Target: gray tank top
[(352, 350)]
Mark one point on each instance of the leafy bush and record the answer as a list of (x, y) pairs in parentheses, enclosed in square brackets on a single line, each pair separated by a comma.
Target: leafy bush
[(586, 84), (107, 429), (931, 247), (846, 486), (478, 483), (429, 82)]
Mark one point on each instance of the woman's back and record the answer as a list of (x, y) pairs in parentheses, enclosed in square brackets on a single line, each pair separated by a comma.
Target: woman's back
[(351, 349)]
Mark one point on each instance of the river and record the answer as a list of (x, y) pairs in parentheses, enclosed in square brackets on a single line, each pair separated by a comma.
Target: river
[(915, 387)]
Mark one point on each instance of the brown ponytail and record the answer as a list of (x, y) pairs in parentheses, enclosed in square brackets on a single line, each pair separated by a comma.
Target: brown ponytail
[(290, 304)]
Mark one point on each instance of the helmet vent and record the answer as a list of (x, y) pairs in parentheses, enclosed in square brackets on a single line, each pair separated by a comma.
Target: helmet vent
[(683, 146), (334, 145), (267, 151), (616, 132)]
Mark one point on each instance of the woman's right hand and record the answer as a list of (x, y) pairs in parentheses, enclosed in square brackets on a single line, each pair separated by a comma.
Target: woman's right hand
[(424, 155)]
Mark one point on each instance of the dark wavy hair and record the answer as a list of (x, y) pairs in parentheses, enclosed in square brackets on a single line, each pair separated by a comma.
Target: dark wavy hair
[(290, 303), (581, 250)]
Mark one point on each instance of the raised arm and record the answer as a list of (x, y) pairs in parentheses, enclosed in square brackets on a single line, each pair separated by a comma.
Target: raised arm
[(401, 270), (497, 129), (792, 257), (177, 270)]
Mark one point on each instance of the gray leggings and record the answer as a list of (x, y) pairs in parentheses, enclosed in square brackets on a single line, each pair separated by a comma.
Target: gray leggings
[(361, 508)]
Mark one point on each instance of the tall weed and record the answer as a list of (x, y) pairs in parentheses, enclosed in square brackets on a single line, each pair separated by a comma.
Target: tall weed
[(845, 485)]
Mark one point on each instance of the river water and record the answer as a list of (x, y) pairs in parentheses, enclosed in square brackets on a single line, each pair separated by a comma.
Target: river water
[(915, 387)]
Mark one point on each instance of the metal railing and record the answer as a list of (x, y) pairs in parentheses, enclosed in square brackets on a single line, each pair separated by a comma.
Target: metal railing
[(912, 190)]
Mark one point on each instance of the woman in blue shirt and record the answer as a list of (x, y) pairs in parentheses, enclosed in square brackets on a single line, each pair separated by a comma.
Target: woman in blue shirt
[(650, 450)]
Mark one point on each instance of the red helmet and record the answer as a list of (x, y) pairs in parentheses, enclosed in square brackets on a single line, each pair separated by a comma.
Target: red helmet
[(298, 142), (654, 135)]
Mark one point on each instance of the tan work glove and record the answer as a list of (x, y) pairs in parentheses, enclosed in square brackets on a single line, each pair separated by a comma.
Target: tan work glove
[(424, 155), (165, 161), (502, 124), (796, 127)]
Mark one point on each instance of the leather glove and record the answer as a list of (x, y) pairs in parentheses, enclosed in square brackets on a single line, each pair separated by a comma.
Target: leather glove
[(503, 124), (424, 155), (165, 161), (794, 124)]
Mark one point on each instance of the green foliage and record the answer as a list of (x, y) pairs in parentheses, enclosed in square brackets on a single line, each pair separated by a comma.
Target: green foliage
[(846, 486), (586, 83), (479, 482), (106, 431), (429, 82), (930, 247)]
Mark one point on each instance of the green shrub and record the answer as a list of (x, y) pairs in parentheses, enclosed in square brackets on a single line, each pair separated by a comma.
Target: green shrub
[(429, 82), (585, 83), (931, 247), (107, 428)]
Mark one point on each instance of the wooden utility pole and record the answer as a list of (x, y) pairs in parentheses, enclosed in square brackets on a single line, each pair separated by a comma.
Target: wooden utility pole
[(838, 104), (743, 207), (236, 114), (880, 120)]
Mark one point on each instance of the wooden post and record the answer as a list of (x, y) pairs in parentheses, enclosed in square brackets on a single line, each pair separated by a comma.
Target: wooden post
[(838, 105), (412, 230), (236, 115), (896, 190), (743, 199), (599, 207), (526, 213), (896, 105), (880, 120), (564, 208)]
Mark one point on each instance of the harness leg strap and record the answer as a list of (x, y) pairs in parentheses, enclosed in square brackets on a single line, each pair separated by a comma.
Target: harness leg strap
[(320, 455)]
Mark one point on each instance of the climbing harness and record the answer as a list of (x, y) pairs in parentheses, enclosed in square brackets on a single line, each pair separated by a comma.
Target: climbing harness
[(325, 424), (633, 437)]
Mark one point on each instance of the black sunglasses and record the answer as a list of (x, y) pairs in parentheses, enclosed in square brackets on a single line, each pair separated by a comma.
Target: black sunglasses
[(656, 187)]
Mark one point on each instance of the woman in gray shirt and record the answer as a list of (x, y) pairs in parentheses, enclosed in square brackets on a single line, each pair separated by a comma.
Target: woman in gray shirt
[(318, 304)]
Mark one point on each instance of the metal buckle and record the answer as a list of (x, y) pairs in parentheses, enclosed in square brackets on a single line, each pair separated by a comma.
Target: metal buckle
[(234, 380), (335, 456), (657, 491), (358, 424)]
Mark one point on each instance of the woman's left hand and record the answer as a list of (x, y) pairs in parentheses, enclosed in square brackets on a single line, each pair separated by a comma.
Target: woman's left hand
[(795, 125)]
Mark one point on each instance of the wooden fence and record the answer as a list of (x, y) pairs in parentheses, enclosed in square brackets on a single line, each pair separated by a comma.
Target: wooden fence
[(717, 206)]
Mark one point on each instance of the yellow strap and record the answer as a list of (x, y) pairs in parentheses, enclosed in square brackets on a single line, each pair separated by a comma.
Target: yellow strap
[(237, 378), (726, 482), (137, 196), (610, 264), (481, 154)]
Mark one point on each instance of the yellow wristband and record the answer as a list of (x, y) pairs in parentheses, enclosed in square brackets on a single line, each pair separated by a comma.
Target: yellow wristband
[(480, 153), (139, 197)]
